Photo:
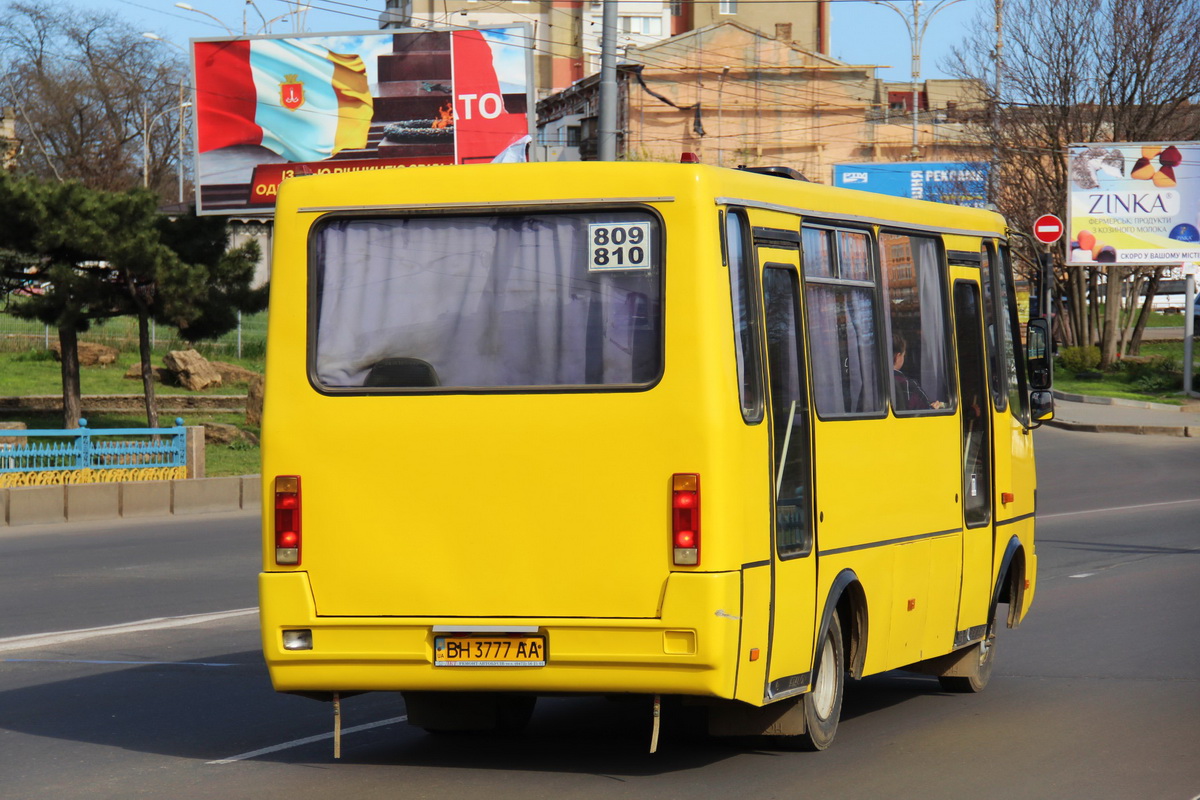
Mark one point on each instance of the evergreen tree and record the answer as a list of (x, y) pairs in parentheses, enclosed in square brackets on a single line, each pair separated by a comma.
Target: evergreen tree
[(72, 255)]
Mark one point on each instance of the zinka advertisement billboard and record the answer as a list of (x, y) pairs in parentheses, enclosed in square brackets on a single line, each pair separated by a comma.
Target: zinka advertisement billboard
[(269, 107), (960, 183), (1133, 203)]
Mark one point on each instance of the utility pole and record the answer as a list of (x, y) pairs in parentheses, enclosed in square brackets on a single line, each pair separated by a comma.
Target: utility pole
[(1189, 332), (607, 128), (181, 107), (994, 172)]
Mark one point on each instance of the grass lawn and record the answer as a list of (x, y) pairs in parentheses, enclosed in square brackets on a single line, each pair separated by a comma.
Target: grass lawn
[(1120, 384), (35, 372), (1165, 321)]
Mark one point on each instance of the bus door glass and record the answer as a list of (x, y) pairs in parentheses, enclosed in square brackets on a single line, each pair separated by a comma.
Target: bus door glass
[(974, 394), (794, 590)]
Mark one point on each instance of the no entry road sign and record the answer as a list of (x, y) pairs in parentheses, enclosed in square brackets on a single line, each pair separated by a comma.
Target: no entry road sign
[(1048, 229)]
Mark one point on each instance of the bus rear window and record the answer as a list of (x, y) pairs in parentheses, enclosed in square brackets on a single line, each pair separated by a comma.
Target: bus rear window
[(488, 302)]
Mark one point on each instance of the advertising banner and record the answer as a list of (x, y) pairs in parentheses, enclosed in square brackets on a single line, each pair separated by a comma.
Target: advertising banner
[(1133, 203), (269, 107), (960, 183)]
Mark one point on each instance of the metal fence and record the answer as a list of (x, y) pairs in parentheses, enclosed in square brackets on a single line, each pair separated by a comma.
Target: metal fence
[(248, 339), (38, 457)]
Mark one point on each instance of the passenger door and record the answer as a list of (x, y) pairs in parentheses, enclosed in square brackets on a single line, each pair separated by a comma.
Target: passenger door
[(977, 459), (793, 563)]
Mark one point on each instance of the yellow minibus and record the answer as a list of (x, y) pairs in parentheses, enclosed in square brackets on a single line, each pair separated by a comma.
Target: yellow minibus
[(654, 429)]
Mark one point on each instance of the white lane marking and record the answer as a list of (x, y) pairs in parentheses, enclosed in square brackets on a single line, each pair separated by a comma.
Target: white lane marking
[(309, 740), (1118, 508), (1082, 575), (98, 661), (155, 624)]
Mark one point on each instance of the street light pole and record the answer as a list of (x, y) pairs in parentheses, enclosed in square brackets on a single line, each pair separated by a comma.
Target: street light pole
[(228, 29), (148, 124), (296, 14), (182, 105), (916, 33)]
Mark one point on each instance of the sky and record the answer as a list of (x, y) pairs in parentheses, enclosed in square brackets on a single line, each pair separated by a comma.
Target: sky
[(862, 33)]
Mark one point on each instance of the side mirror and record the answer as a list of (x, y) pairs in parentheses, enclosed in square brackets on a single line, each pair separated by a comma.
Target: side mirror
[(1041, 406), (1037, 355)]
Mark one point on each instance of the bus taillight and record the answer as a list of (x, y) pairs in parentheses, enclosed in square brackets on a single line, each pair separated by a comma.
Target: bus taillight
[(685, 519), (287, 519)]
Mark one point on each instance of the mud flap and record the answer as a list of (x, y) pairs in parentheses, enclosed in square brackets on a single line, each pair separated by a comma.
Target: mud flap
[(735, 718)]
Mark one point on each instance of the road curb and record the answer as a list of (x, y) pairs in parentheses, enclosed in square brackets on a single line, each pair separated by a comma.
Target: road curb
[(41, 505), (1116, 401), (1186, 431)]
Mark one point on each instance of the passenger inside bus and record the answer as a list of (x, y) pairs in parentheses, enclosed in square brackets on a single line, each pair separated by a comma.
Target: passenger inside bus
[(909, 394)]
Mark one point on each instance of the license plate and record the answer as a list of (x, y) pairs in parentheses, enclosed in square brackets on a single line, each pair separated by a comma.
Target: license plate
[(489, 651)]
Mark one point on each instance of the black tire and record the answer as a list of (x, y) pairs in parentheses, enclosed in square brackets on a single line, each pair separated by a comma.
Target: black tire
[(980, 670), (823, 703)]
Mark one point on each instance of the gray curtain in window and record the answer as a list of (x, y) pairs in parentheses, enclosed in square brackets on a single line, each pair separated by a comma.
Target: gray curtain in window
[(934, 377), (844, 349), (487, 301)]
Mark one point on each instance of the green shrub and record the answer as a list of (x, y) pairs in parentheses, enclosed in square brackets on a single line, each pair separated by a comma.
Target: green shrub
[(1079, 359), (1147, 366), (1153, 375), (1157, 384)]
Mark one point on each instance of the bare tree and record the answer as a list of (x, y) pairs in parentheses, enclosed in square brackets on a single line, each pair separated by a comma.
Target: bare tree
[(88, 90), (1082, 71)]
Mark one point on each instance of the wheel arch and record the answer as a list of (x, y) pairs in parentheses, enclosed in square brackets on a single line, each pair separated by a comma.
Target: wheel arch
[(847, 597), (1010, 583)]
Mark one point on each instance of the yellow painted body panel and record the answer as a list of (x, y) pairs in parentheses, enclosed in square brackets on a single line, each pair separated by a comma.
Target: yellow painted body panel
[(552, 509), (683, 651)]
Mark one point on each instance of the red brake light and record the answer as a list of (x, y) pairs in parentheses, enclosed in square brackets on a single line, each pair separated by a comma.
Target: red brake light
[(685, 519), (287, 520), (689, 158)]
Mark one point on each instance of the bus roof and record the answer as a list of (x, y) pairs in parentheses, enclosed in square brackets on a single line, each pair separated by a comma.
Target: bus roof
[(498, 186)]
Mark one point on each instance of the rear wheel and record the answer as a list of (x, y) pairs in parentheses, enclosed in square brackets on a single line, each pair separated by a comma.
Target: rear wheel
[(978, 669), (823, 703)]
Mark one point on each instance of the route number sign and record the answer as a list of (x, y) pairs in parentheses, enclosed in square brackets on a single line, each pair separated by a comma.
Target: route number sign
[(618, 246)]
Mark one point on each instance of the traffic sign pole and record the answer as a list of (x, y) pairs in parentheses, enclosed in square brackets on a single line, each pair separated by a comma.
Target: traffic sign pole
[(1047, 229)]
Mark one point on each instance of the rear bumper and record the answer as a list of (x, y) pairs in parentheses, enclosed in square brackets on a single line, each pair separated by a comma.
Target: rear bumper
[(690, 649)]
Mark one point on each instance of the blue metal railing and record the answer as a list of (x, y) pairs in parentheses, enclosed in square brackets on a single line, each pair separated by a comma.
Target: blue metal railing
[(103, 448)]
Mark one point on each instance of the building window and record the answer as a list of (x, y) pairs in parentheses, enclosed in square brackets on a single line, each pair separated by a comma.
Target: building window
[(727, 7), (573, 137), (648, 26)]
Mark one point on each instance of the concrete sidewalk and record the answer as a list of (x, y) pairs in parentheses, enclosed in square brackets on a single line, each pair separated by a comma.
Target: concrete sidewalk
[(1113, 415)]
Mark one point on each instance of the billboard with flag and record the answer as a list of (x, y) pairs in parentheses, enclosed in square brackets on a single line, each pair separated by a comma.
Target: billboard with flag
[(268, 107)]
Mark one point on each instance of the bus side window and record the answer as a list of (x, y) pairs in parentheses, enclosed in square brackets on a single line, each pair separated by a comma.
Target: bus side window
[(916, 308), (1010, 329), (840, 293), (742, 270), (789, 412), (992, 281)]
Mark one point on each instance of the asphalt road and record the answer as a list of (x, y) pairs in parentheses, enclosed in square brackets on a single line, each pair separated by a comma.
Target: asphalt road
[(1096, 696)]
